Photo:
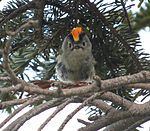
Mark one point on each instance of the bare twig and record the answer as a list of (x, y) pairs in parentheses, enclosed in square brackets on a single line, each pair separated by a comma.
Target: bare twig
[(17, 12), (121, 125), (10, 89), (6, 65), (132, 127), (143, 76), (30, 23), (135, 111), (59, 108), (5, 78), (12, 103), (78, 109), (126, 15), (15, 125), (145, 86), (39, 14), (29, 102), (83, 122), (102, 105), (117, 100), (15, 80)]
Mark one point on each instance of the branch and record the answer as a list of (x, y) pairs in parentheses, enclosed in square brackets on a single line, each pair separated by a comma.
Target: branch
[(83, 91), (29, 102), (143, 76), (121, 125), (116, 82), (59, 108), (30, 23), (145, 86), (7, 47), (17, 12), (91, 6), (135, 111), (6, 65), (128, 124), (15, 125), (117, 100), (78, 109), (136, 124), (102, 105), (126, 15), (10, 89), (5, 78), (83, 122), (39, 14), (5, 104)]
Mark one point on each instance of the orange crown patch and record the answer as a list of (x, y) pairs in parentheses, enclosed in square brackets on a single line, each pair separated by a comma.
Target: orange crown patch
[(76, 32)]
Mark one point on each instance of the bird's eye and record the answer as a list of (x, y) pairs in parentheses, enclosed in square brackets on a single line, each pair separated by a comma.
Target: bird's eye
[(83, 43), (69, 45)]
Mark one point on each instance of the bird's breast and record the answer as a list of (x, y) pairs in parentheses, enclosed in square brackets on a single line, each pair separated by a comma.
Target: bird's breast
[(76, 59)]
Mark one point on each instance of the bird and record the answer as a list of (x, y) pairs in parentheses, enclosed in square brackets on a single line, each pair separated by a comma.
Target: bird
[(76, 62)]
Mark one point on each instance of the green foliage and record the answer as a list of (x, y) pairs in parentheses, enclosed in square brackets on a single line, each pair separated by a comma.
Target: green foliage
[(141, 2), (114, 42), (7, 96), (142, 18)]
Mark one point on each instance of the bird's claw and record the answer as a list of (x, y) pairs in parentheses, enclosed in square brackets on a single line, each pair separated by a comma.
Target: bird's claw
[(97, 80)]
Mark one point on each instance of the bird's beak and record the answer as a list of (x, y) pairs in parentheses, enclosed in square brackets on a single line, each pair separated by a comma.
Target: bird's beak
[(77, 45)]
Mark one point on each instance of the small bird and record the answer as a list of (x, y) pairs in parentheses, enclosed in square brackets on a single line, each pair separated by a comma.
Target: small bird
[(76, 63)]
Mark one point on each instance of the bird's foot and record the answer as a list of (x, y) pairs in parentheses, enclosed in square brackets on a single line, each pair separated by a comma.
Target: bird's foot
[(97, 80)]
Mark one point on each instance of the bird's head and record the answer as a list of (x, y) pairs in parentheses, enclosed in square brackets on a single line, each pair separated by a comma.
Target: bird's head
[(76, 41)]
